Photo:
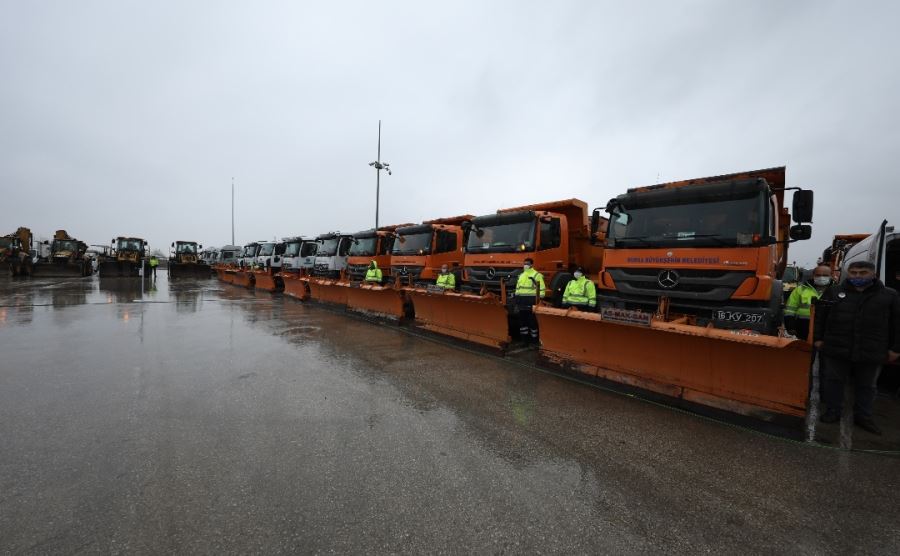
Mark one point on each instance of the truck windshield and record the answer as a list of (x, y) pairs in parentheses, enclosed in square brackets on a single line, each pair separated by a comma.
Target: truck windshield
[(328, 247), (308, 249), (185, 247), (266, 249), (363, 247), (413, 244), (292, 249), (64, 245), (249, 251), (130, 245), (733, 222), (502, 238), (5, 242)]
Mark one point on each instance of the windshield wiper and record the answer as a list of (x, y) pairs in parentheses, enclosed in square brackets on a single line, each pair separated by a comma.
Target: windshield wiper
[(714, 237)]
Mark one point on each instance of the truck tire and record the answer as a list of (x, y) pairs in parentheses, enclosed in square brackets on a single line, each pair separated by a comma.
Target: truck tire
[(558, 287)]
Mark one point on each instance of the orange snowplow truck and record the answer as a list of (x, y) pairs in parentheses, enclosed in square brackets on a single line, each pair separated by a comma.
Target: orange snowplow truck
[(371, 245), (555, 235), (708, 251), (421, 250)]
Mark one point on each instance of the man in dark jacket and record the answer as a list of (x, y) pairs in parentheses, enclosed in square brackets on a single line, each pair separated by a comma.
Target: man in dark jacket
[(857, 329)]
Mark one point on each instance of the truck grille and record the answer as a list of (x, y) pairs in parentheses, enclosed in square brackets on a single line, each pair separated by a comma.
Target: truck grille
[(490, 276), (692, 284)]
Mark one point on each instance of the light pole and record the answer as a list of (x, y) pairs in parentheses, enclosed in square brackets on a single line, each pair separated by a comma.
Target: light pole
[(379, 166)]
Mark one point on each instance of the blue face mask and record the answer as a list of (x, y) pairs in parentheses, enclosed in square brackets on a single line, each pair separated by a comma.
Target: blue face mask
[(860, 282)]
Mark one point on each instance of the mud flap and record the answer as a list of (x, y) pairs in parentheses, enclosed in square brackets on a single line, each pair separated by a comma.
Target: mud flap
[(296, 286), (376, 301), (481, 319), (762, 377), (328, 291)]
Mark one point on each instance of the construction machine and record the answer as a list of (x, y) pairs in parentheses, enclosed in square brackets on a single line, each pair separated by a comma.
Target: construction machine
[(833, 256), (66, 257), (556, 235), (693, 268), (185, 261), (15, 251), (127, 259), (421, 250)]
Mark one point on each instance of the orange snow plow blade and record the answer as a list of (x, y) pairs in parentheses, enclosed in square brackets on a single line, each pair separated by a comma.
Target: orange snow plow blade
[(481, 319), (762, 377), (376, 301), (266, 281), (295, 286), (243, 278), (328, 291), (228, 275)]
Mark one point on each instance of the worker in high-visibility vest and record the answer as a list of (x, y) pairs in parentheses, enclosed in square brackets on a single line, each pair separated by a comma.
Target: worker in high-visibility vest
[(373, 274), (529, 287), (797, 307), (154, 262), (580, 292), (446, 279)]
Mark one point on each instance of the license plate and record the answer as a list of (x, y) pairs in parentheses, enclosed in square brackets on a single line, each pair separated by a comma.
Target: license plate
[(738, 317)]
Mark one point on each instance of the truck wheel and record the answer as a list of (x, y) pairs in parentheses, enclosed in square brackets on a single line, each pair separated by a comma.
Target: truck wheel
[(558, 287)]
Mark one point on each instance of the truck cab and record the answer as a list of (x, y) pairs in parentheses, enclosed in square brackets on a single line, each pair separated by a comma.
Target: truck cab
[(419, 251), (710, 251), (248, 254), (129, 249), (185, 252), (370, 245), (269, 255), (229, 254), (555, 235), (882, 248), (299, 255), (331, 254)]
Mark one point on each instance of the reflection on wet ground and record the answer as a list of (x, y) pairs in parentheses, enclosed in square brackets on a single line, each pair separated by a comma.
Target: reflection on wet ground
[(197, 416)]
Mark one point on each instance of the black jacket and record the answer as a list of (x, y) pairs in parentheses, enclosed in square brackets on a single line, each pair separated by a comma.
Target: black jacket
[(858, 325)]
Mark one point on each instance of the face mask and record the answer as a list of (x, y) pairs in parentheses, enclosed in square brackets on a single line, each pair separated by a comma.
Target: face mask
[(527, 266), (443, 271), (821, 280), (578, 275), (860, 282)]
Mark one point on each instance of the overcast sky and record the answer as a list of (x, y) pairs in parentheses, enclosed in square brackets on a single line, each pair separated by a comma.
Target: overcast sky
[(131, 118)]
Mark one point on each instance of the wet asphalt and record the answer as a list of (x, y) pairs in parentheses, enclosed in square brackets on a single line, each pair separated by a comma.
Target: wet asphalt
[(199, 417)]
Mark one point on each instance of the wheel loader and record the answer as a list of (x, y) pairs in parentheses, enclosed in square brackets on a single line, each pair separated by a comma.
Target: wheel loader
[(126, 260), (15, 251), (185, 262), (66, 258), (690, 298)]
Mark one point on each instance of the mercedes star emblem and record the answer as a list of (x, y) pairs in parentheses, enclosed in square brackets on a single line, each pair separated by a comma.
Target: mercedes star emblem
[(668, 279), (490, 273)]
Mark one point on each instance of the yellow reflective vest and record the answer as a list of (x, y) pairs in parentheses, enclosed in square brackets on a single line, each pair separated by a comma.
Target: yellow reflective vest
[(529, 283), (154, 261), (580, 291), (373, 274), (446, 281), (800, 301)]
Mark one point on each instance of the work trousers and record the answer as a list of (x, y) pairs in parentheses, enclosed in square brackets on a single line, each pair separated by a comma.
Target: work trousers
[(528, 326), (864, 377)]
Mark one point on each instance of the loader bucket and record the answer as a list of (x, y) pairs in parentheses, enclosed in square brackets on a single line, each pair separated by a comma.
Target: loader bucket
[(188, 270), (295, 286), (54, 269), (267, 281), (481, 319), (114, 269), (243, 278), (761, 377), (328, 291), (376, 301)]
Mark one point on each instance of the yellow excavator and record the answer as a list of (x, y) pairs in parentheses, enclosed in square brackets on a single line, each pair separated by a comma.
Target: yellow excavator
[(15, 251), (66, 257)]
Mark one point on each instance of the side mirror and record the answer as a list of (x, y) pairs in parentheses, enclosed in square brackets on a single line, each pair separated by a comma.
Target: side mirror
[(479, 232), (802, 209), (173, 244), (595, 221), (200, 247), (801, 232), (546, 219)]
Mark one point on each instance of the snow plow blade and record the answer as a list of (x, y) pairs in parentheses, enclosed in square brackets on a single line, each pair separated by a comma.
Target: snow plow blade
[(188, 270), (376, 301), (268, 282), (62, 269), (243, 278), (482, 319), (764, 378), (226, 274), (295, 286), (328, 291)]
